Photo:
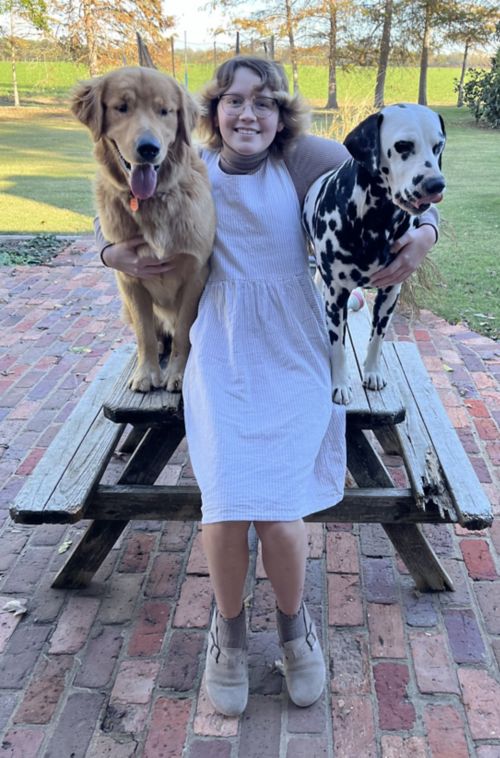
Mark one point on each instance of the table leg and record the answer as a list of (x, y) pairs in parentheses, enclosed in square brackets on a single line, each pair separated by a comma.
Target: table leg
[(417, 554), (144, 467)]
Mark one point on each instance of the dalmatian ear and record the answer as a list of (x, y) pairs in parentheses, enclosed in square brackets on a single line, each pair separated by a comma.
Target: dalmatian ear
[(364, 142)]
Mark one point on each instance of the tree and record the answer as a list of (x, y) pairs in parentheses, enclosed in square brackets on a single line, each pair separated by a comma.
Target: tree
[(482, 93), (332, 55), (383, 60), (107, 31), (428, 8), (279, 20), (473, 24), (32, 12)]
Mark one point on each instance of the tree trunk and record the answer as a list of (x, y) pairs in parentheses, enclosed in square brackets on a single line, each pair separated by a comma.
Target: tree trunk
[(385, 48), (332, 56), (89, 21), (13, 60), (293, 50), (460, 99), (424, 58)]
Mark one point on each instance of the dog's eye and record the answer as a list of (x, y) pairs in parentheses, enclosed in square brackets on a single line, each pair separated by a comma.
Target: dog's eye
[(403, 146), (437, 148), (165, 111), (122, 108)]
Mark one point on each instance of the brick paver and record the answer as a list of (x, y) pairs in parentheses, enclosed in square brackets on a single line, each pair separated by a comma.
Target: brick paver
[(116, 670)]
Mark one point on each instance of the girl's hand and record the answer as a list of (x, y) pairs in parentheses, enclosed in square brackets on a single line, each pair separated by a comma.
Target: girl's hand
[(411, 249), (123, 256)]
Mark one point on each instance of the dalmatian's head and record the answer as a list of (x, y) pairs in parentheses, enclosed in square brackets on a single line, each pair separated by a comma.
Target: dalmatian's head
[(403, 144)]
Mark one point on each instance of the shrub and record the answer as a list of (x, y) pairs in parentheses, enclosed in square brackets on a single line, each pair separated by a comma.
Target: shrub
[(482, 93)]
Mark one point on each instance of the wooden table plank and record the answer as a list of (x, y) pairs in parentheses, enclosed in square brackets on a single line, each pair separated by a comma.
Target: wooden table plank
[(472, 505), (140, 408), (76, 458), (384, 407), (183, 503)]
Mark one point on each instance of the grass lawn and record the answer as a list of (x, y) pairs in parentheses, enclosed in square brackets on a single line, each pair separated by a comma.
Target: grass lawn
[(46, 172), (469, 248)]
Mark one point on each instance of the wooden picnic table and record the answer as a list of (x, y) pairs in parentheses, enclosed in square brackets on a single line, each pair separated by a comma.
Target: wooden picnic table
[(405, 418)]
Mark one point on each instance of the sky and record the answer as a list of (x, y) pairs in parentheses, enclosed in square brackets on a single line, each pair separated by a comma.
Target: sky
[(198, 25)]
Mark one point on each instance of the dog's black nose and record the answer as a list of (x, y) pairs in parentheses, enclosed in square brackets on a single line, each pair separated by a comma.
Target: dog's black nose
[(148, 148), (434, 186)]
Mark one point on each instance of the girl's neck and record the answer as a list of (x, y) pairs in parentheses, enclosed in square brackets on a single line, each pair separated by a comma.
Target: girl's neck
[(232, 162)]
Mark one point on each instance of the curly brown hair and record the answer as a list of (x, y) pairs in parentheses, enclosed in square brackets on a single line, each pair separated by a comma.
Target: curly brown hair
[(294, 112)]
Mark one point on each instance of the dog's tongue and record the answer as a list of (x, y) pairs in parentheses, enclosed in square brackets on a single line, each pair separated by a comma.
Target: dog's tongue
[(143, 181)]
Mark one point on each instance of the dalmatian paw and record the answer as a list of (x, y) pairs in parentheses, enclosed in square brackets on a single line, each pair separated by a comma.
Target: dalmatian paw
[(341, 394), (374, 380)]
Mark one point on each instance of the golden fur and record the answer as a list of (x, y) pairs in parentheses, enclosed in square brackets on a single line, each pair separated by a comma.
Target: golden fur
[(126, 111)]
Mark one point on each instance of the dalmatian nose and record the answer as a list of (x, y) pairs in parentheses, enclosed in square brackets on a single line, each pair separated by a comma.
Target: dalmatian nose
[(148, 148), (434, 186)]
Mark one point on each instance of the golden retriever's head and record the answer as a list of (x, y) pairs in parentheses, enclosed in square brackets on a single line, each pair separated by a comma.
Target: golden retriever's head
[(142, 118)]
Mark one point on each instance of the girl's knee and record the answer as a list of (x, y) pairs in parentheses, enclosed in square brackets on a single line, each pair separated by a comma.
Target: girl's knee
[(280, 530)]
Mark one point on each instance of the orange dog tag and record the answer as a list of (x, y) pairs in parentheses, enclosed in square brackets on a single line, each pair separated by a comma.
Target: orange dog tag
[(134, 204)]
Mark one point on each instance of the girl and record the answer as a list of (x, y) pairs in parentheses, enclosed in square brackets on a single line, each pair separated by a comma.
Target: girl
[(265, 440)]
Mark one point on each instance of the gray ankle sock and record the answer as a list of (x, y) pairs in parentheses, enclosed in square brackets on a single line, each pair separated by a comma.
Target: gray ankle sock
[(290, 627), (232, 632)]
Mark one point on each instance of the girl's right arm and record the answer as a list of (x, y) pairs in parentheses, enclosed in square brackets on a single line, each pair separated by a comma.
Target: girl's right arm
[(124, 257)]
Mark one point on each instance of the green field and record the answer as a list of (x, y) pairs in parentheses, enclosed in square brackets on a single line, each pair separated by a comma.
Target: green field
[(46, 172), (43, 83)]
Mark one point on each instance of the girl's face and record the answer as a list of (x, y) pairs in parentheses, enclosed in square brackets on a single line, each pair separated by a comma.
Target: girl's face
[(246, 133)]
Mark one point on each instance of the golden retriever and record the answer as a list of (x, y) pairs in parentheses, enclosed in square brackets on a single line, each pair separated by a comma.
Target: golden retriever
[(151, 182)]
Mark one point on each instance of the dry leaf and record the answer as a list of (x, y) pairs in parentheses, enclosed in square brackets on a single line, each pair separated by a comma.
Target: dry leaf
[(17, 607), (64, 546)]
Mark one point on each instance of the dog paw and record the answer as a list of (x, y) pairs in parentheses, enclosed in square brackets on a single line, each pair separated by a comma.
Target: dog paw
[(172, 381), (342, 394), (374, 380), (145, 380)]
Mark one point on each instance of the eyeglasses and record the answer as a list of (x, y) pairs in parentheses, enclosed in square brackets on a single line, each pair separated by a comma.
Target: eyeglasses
[(234, 105)]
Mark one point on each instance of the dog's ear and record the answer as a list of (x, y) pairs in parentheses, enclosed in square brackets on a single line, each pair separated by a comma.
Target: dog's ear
[(364, 142), (187, 117), (86, 105)]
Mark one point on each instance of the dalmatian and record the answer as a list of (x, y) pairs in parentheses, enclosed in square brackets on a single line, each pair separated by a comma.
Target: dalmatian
[(352, 216)]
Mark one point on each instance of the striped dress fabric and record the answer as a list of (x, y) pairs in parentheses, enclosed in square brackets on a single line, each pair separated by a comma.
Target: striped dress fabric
[(265, 440)]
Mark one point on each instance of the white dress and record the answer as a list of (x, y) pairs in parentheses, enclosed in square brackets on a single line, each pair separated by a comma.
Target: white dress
[(265, 440)]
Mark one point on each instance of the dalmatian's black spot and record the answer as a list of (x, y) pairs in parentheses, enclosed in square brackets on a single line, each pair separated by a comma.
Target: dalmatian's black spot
[(385, 170), (389, 153), (342, 275), (417, 179), (332, 224), (428, 164), (321, 228)]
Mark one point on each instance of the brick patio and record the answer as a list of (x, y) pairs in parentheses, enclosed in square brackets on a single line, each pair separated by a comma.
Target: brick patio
[(114, 671)]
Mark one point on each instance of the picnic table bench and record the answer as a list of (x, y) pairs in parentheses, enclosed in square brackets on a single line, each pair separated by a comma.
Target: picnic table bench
[(405, 418)]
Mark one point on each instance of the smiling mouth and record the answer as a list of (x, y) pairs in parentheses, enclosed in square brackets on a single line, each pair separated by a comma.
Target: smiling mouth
[(420, 206), (249, 132)]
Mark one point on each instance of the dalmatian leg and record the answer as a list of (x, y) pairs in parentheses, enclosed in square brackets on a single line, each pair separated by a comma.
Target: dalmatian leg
[(383, 308), (336, 318)]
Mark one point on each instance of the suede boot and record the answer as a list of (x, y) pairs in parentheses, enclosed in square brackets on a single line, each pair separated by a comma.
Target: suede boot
[(303, 660), (226, 669)]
